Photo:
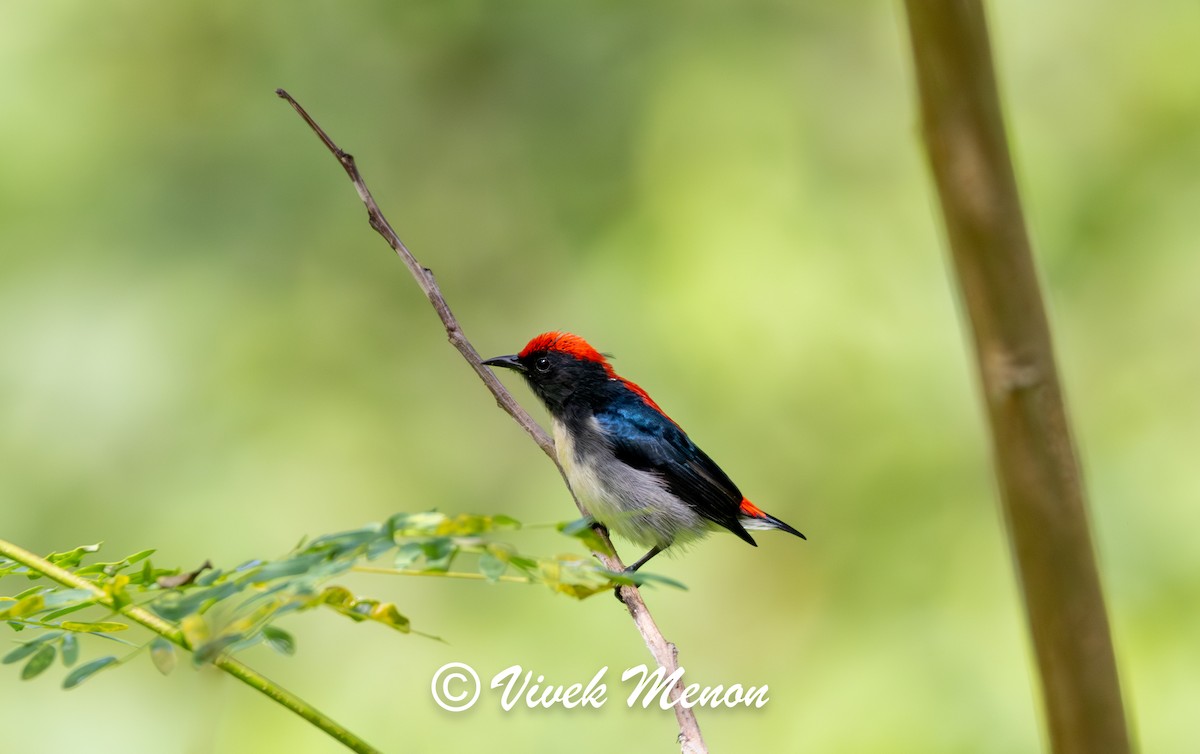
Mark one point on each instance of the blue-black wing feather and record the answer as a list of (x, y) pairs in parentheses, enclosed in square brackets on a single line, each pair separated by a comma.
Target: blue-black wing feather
[(647, 440)]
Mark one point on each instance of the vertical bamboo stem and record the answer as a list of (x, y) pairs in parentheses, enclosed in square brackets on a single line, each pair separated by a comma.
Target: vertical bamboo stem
[(1041, 488)]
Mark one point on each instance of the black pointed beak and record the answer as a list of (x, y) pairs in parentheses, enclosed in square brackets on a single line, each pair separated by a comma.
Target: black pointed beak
[(508, 362)]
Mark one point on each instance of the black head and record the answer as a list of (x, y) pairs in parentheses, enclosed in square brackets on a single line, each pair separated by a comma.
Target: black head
[(561, 368)]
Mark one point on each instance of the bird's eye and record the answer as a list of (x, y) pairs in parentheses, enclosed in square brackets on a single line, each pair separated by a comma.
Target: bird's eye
[(542, 365)]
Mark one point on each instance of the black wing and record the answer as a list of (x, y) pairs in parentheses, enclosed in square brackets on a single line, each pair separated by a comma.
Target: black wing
[(647, 440)]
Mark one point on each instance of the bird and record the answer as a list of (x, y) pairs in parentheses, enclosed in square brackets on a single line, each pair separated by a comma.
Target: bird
[(634, 469)]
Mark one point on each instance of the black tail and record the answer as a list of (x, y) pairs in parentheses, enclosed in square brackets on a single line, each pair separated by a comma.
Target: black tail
[(761, 520)]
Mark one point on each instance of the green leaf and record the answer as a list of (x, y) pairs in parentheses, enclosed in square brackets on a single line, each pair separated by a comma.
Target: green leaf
[(147, 575), (176, 607), (59, 597), (23, 608), (492, 567), (109, 569), (70, 650), (466, 525), (345, 541), (115, 589), (581, 529), (578, 591), (72, 558), (378, 547), (505, 522), (575, 526), (336, 596), (209, 578), (439, 552), (528, 565), (56, 614), (271, 594), (42, 659), (249, 564), (407, 554), (330, 568), (291, 567), (48, 636), (415, 524), (573, 577), (162, 654), (94, 628), (279, 640), (643, 579), (86, 671), (195, 630), (139, 556), (360, 609), (21, 652), (11, 566), (387, 614), (253, 613), (245, 642), (209, 651)]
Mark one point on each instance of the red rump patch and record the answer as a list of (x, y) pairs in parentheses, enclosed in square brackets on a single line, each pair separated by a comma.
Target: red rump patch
[(573, 345), (750, 509)]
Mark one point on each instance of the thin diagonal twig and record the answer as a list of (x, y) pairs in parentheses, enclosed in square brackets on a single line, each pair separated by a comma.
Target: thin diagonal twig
[(424, 277), (664, 652)]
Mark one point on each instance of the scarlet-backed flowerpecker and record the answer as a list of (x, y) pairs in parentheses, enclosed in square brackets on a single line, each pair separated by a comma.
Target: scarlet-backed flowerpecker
[(631, 466)]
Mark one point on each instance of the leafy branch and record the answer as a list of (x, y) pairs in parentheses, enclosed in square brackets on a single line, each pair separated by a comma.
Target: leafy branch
[(665, 653), (214, 613)]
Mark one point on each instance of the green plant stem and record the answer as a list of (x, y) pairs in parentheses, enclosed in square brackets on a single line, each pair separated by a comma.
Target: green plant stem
[(439, 574), (172, 633)]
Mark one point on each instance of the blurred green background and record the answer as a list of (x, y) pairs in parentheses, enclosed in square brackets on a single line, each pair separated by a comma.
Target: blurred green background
[(206, 350)]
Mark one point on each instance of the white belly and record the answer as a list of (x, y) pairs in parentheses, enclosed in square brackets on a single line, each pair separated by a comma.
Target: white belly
[(632, 503)]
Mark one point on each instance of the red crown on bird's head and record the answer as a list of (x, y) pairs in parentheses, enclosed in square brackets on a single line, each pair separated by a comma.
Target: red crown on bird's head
[(564, 342), (577, 347)]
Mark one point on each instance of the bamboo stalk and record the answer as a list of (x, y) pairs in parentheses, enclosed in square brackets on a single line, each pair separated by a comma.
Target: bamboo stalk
[(1041, 488)]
